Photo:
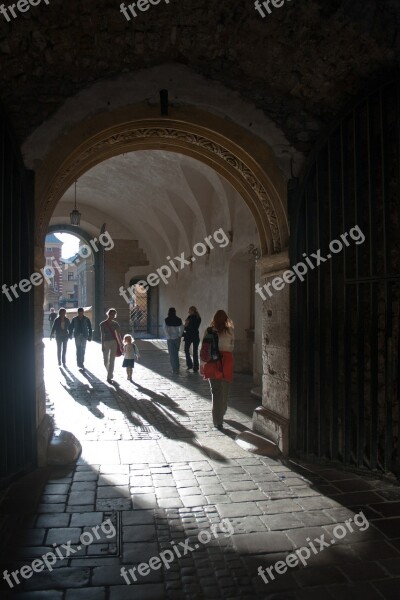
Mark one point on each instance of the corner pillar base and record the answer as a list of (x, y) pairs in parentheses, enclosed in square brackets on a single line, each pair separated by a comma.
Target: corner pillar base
[(272, 426), (44, 434)]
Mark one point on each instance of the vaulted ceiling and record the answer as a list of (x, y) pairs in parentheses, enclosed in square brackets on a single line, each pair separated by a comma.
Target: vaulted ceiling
[(166, 201), (299, 65)]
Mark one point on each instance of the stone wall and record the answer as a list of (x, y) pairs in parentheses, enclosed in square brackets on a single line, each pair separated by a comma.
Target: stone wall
[(272, 419), (298, 66)]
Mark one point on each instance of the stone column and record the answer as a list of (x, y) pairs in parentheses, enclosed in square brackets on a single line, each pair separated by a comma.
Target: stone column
[(272, 418), (257, 349)]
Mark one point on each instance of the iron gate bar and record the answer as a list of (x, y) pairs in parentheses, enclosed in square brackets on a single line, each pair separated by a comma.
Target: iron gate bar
[(358, 410), (397, 372), (346, 433), (360, 380), (388, 379), (334, 301), (374, 377), (384, 175), (388, 354), (344, 331), (397, 379), (347, 381), (311, 416), (319, 361)]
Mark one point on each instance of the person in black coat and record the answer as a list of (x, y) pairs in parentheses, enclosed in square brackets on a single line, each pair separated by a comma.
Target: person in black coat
[(52, 316), (191, 336), (81, 330), (60, 331)]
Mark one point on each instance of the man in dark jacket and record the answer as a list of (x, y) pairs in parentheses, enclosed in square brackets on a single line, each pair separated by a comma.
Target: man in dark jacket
[(52, 316), (60, 331), (81, 329), (191, 336)]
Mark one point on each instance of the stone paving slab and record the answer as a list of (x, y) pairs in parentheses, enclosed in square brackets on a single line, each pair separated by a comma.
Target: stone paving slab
[(178, 486), (100, 451)]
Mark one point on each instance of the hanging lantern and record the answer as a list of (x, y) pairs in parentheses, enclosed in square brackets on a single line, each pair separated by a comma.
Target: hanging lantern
[(75, 215)]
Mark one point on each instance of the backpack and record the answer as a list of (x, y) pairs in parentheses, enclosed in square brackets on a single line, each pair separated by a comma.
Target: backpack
[(209, 351)]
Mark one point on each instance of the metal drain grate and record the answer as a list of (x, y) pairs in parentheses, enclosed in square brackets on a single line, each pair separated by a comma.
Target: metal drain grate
[(146, 429), (105, 543)]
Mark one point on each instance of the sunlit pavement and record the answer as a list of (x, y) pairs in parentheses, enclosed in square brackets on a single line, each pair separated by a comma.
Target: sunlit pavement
[(153, 464)]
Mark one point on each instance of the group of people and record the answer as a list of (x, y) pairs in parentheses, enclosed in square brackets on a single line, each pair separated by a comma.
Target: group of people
[(219, 372), (174, 330), (63, 329)]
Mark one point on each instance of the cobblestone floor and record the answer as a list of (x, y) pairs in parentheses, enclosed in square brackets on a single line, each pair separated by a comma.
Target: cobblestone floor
[(156, 471)]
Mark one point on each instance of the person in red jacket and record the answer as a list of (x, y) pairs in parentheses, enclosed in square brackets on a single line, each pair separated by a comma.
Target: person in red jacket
[(220, 372)]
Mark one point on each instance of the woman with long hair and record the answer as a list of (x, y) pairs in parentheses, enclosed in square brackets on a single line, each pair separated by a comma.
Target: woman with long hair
[(220, 372), (191, 336)]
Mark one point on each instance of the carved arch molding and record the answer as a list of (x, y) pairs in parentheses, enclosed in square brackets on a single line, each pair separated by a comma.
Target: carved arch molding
[(227, 158)]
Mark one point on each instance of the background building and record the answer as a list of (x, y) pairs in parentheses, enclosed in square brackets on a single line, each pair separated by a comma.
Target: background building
[(85, 279), (54, 290), (69, 297)]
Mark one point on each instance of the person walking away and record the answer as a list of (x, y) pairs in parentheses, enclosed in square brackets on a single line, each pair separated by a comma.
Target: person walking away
[(60, 331), (131, 353), (220, 372), (191, 336), (81, 330), (52, 316), (110, 342), (173, 329)]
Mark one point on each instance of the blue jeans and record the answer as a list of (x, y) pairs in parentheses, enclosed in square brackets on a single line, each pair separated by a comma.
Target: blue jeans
[(173, 349), (61, 347), (80, 343), (192, 364)]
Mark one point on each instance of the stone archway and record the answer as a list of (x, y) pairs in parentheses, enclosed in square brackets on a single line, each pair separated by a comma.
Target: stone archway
[(243, 159), (246, 162)]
